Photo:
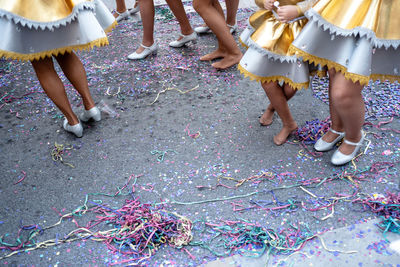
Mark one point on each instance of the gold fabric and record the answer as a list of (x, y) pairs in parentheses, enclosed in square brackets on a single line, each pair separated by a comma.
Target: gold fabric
[(40, 10), (273, 35), (380, 16), (303, 6)]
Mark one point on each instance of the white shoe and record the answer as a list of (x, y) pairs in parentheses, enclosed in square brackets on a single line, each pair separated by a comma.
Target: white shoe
[(323, 146), (202, 29), (338, 158), (93, 113), (185, 39), (122, 16), (76, 129), (134, 9), (148, 50), (232, 28)]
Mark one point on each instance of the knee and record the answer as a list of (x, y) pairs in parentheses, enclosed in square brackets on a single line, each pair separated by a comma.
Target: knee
[(267, 86), (342, 97)]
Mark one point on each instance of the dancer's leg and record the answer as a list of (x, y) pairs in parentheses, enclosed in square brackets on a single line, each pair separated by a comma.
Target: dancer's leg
[(121, 7), (227, 47), (147, 14), (268, 115), (348, 104), (54, 88), (76, 74), (178, 10), (231, 11), (278, 100), (337, 123)]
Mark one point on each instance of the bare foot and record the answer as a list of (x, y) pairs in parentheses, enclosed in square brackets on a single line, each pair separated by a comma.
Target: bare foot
[(228, 61), (282, 136), (267, 117), (213, 55)]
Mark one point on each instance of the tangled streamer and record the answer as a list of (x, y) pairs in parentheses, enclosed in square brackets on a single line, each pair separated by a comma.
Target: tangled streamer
[(388, 208), (135, 230), (58, 152)]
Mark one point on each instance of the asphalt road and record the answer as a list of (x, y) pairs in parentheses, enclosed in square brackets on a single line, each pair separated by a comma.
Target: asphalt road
[(207, 123)]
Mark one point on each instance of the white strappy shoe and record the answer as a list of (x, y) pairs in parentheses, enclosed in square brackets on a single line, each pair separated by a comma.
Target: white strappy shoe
[(76, 129), (206, 29), (338, 158), (148, 50), (232, 28), (135, 9), (202, 29), (184, 40), (93, 113), (323, 146), (122, 16)]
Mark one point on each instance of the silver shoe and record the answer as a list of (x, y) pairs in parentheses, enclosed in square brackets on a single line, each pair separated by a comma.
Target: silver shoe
[(338, 158), (148, 50), (323, 146), (185, 39), (232, 28), (76, 129), (134, 9), (93, 113), (202, 29), (122, 16)]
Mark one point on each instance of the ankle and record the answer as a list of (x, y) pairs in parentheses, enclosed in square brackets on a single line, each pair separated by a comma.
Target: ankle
[(120, 11)]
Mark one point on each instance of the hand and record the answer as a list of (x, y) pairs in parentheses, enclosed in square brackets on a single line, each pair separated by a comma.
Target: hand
[(287, 13), (269, 4)]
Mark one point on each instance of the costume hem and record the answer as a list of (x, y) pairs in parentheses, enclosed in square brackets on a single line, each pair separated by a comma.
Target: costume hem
[(277, 78), (363, 80), (269, 54), (54, 52)]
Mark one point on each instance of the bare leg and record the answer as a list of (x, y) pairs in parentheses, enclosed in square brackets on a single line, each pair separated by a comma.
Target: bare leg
[(177, 8), (227, 46), (278, 100), (348, 103), (267, 117), (54, 88), (337, 123), (76, 74), (147, 14), (231, 11), (121, 7)]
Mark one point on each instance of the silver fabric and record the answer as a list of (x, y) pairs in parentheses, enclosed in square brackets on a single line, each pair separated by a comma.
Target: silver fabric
[(86, 26), (312, 15), (357, 54), (260, 64)]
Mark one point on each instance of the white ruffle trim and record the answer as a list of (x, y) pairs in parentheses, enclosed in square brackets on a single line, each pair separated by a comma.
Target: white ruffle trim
[(358, 31), (48, 25), (269, 54)]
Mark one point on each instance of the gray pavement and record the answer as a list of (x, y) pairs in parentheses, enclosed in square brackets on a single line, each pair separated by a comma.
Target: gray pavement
[(158, 104)]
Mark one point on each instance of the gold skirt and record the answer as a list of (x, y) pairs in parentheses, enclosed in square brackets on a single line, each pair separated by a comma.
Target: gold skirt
[(268, 58)]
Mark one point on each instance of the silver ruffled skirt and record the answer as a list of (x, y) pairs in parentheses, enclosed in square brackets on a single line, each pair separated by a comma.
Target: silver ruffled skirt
[(84, 28), (357, 53)]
